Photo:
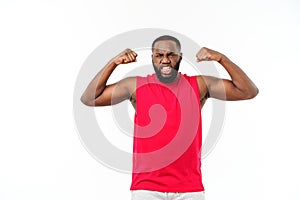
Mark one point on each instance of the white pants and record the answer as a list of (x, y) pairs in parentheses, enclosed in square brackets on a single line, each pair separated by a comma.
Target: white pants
[(153, 195)]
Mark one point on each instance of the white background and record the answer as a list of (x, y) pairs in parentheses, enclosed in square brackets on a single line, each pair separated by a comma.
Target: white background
[(44, 43)]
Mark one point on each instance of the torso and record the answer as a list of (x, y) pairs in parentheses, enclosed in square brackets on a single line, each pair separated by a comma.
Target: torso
[(165, 155), (201, 85)]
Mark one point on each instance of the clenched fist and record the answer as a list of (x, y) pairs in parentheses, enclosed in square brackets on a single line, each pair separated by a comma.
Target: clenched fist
[(206, 54), (125, 57)]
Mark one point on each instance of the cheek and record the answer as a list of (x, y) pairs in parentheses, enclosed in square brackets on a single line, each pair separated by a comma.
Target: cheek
[(174, 62), (155, 64), (159, 60)]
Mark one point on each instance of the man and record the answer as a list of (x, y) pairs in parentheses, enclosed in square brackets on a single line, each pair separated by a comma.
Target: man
[(168, 129)]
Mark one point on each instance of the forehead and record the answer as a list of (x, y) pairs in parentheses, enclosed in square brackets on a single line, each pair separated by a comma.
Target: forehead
[(165, 45)]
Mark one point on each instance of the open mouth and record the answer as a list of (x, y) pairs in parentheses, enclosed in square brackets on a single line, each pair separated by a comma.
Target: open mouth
[(165, 70)]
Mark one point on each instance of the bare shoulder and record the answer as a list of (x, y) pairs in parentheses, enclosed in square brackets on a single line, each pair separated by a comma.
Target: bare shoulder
[(130, 84), (202, 85), (203, 88)]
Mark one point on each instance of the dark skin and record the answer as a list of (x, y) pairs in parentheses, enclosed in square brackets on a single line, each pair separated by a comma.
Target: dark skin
[(166, 55)]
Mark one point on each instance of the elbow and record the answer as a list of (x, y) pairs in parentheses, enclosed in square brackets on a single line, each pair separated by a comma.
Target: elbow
[(252, 94), (87, 102)]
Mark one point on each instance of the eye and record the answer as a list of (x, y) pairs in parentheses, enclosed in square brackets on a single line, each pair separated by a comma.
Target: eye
[(172, 55)]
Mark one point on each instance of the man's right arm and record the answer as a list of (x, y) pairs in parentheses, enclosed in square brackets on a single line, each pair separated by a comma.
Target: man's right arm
[(99, 94)]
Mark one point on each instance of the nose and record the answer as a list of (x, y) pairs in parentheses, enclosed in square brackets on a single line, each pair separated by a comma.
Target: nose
[(165, 60)]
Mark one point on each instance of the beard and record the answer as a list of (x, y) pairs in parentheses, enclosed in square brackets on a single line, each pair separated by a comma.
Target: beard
[(169, 79)]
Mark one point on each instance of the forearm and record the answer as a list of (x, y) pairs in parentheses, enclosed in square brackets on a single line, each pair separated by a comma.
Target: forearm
[(239, 78), (98, 83)]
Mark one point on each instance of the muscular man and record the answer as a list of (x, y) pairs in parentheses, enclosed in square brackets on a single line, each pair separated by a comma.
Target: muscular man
[(168, 129)]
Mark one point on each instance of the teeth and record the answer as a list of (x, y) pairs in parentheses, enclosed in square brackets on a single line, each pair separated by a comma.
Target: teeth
[(166, 69)]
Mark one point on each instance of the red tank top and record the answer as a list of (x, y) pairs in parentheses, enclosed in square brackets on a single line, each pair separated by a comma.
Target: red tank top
[(167, 135)]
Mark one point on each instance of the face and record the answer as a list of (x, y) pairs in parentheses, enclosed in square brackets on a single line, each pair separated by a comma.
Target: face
[(166, 59)]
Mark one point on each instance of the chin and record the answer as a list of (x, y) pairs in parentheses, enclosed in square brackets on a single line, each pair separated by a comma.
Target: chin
[(167, 79)]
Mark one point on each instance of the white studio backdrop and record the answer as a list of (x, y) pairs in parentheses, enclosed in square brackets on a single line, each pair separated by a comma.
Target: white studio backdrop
[(43, 45)]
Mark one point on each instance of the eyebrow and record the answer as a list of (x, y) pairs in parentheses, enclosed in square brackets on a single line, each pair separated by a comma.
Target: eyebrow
[(168, 53)]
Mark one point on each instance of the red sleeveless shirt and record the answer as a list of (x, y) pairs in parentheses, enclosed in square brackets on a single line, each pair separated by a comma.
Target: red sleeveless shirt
[(167, 135)]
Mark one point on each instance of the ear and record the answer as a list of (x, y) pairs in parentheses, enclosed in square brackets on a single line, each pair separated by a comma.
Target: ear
[(180, 56)]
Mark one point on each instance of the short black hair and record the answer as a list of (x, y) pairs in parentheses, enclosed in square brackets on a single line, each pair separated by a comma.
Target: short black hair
[(167, 37)]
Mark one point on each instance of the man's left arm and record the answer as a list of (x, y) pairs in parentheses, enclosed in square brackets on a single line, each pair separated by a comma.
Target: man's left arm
[(240, 86)]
